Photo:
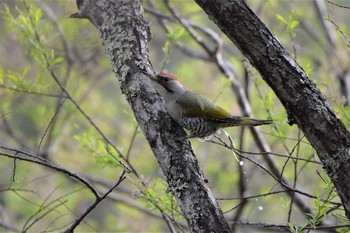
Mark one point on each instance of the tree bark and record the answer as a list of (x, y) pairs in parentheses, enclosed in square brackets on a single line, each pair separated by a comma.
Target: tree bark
[(302, 99), (125, 35)]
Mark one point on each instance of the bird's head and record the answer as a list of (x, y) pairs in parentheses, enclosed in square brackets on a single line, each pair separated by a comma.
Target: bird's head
[(169, 82)]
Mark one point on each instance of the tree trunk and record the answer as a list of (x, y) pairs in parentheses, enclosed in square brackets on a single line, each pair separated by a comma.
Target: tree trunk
[(302, 99), (125, 35)]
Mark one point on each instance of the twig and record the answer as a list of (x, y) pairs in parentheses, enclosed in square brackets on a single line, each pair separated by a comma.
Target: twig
[(126, 169), (25, 229), (31, 92), (132, 143), (251, 196), (190, 30), (14, 170), (21, 155), (339, 29), (335, 4), (287, 227), (50, 123), (285, 185), (265, 153), (94, 204)]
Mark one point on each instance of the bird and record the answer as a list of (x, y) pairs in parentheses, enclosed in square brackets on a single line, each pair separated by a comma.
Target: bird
[(200, 117)]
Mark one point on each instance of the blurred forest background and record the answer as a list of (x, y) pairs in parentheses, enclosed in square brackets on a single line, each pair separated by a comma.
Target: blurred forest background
[(48, 142)]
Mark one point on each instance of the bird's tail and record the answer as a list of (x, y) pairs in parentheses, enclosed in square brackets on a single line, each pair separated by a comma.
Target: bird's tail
[(245, 121)]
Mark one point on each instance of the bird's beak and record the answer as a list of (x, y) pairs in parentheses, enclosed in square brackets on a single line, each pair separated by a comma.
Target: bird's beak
[(151, 76)]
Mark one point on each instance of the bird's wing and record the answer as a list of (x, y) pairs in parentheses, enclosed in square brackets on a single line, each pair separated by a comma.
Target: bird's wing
[(193, 105)]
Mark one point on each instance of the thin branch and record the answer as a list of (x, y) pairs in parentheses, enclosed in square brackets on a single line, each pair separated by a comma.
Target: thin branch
[(251, 196), (168, 219), (190, 30), (284, 184), (136, 130), (335, 4), (264, 153), (279, 180), (339, 30), (49, 210), (50, 123), (39, 160), (163, 18), (95, 203), (127, 201), (287, 227), (53, 18), (126, 169), (31, 92)]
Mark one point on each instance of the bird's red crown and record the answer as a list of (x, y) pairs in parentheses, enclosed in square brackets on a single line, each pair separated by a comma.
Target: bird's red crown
[(170, 75)]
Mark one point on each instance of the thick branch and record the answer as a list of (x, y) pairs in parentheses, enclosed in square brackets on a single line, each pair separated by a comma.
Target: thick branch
[(125, 33), (299, 95)]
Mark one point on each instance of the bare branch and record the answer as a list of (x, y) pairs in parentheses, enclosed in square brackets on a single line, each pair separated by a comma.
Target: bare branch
[(24, 156), (94, 204)]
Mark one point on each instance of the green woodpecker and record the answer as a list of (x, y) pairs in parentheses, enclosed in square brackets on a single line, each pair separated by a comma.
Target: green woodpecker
[(199, 116)]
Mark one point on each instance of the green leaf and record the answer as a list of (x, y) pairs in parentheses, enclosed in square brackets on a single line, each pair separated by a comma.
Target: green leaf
[(57, 60), (25, 71), (169, 30), (280, 18), (2, 75), (179, 31), (293, 24), (166, 48), (38, 15)]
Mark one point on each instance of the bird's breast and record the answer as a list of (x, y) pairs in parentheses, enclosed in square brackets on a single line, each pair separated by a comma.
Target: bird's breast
[(174, 111)]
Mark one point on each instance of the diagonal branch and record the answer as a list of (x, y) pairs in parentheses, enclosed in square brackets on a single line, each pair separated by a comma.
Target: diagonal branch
[(95, 203), (125, 35)]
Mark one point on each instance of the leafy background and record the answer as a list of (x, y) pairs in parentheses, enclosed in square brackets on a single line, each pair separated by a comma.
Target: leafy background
[(42, 48)]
